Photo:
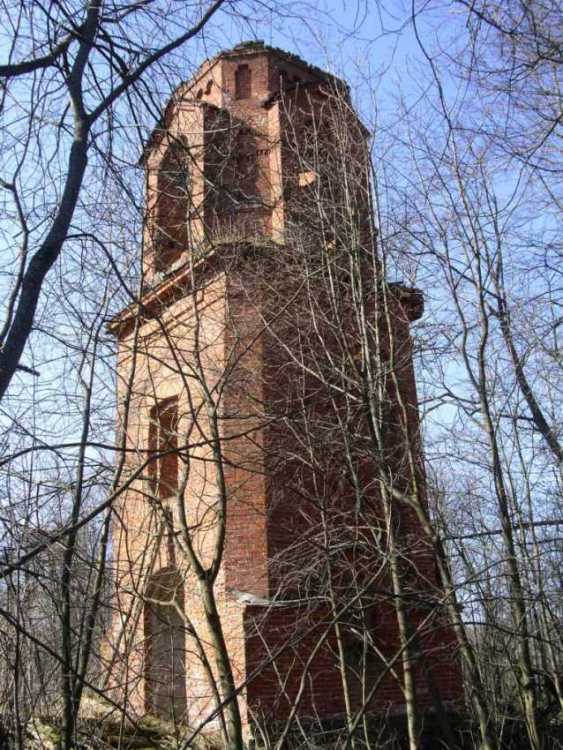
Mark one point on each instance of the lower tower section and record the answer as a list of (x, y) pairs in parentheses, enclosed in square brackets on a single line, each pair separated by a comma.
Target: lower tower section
[(269, 552)]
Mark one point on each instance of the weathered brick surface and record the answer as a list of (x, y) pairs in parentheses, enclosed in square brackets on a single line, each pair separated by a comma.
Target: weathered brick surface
[(243, 310)]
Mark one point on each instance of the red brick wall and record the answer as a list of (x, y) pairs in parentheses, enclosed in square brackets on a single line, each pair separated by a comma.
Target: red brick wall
[(285, 662), (284, 460)]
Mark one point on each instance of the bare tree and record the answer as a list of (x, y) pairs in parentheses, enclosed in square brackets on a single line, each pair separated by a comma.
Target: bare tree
[(464, 205)]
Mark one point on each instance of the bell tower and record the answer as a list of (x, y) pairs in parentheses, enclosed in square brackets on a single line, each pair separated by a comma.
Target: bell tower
[(250, 542)]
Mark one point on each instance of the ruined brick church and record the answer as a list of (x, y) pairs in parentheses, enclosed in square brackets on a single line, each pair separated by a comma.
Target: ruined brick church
[(264, 552)]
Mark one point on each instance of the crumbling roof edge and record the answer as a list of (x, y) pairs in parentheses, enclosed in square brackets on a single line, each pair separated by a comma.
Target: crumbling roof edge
[(252, 47)]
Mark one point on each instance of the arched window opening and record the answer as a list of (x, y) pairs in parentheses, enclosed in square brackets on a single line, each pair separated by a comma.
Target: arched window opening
[(173, 200), (243, 82), (165, 647)]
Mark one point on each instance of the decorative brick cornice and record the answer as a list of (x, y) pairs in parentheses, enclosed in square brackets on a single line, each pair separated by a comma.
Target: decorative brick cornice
[(190, 275)]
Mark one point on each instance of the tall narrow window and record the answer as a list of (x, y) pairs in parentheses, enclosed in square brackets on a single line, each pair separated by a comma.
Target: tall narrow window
[(243, 82), (283, 79), (165, 644), (163, 444), (246, 166), (173, 200)]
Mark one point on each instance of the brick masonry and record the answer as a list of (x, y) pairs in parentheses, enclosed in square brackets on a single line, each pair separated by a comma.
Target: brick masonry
[(229, 174)]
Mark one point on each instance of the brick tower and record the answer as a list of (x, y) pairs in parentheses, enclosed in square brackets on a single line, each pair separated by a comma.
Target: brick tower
[(262, 536)]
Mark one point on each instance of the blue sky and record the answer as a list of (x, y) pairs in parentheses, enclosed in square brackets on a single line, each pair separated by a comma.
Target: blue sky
[(373, 49)]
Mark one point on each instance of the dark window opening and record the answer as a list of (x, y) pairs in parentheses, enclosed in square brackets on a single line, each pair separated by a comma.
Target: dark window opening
[(243, 82), (165, 646), (173, 200), (163, 444), (246, 166)]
